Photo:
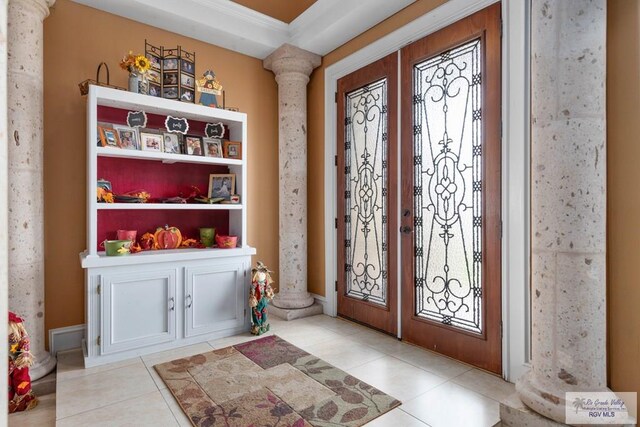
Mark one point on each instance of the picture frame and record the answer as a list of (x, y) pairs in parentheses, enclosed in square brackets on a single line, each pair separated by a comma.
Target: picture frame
[(212, 147), (170, 79), (109, 137), (129, 138), (155, 89), (188, 67), (193, 145), (222, 186), (233, 149), (153, 76), (171, 143), (170, 92), (187, 81), (170, 64), (187, 95), (151, 141), (154, 55)]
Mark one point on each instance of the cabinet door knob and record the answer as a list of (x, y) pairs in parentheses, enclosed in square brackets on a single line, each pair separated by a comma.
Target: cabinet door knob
[(173, 304), (189, 299)]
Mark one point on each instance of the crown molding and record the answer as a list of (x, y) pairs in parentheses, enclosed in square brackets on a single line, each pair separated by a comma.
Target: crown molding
[(326, 25)]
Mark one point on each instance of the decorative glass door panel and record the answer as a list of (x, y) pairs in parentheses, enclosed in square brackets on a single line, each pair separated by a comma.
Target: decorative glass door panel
[(447, 140), (367, 183), (451, 201)]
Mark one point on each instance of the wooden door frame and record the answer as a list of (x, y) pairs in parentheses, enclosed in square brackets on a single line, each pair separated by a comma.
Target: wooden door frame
[(515, 161)]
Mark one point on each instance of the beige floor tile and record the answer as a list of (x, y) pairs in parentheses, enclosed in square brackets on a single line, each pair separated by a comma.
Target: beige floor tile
[(451, 405), (236, 339), (167, 356), (71, 365), (336, 324), (43, 415), (396, 378), (146, 410), (305, 335), (484, 383), (103, 388), (432, 362), (379, 341), (396, 418), (343, 353), (178, 413)]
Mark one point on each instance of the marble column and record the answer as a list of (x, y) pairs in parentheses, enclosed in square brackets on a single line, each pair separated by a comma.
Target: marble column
[(292, 67), (4, 200), (568, 204), (26, 145)]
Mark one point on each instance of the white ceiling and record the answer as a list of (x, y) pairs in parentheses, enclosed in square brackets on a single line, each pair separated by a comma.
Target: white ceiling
[(326, 25)]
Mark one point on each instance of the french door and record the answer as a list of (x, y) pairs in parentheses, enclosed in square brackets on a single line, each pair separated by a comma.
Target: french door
[(367, 195), (449, 213)]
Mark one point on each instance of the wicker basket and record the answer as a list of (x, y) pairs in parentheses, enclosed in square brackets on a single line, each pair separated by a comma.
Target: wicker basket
[(84, 86)]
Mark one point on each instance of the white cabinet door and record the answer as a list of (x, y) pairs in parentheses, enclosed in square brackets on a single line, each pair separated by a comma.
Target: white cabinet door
[(138, 309), (215, 297)]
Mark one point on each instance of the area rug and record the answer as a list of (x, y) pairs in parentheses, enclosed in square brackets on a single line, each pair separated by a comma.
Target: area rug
[(270, 382)]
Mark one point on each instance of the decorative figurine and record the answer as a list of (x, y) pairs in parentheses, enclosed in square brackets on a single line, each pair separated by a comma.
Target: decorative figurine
[(259, 296), (209, 87), (21, 398)]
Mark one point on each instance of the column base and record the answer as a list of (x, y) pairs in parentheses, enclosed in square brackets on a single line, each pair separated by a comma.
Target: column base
[(514, 413), (295, 313), (290, 300), (45, 363)]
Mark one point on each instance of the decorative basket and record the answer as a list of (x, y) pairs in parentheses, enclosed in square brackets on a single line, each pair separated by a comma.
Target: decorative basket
[(84, 86), (226, 242)]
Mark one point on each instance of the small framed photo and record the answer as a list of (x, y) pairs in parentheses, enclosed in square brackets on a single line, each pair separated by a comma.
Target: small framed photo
[(128, 137), (186, 95), (170, 92), (212, 147), (151, 141), (109, 137), (222, 186), (170, 64), (170, 79), (154, 89), (233, 149), (171, 143), (193, 145), (154, 60), (186, 81), (153, 76), (188, 67)]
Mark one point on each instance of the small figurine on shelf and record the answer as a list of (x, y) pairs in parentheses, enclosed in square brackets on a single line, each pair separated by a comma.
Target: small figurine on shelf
[(21, 398), (209, 87), (259, 296)]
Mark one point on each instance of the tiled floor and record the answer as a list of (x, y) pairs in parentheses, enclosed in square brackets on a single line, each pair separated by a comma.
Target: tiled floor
[(434, 390)]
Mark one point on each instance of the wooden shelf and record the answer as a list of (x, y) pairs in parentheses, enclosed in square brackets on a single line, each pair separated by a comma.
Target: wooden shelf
[(169, 206), (165, 157)]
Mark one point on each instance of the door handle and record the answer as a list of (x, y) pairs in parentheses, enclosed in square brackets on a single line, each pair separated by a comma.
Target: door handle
[(173, 304), (405, 229), (190, 300)]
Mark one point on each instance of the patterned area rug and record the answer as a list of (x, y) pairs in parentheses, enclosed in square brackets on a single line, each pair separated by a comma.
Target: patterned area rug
[(270, 382)]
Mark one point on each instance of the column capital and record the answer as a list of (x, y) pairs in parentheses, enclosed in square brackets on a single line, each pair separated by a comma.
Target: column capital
[(291, 59), (41, 6)]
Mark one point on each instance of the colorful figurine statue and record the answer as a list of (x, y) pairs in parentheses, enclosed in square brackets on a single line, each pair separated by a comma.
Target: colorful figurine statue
[(209, 87), (21, 398), (259, 296)]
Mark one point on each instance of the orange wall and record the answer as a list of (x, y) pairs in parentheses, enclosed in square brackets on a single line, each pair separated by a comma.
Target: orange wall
[(316, 132), (283, 10), (77, 38), (623, 198)]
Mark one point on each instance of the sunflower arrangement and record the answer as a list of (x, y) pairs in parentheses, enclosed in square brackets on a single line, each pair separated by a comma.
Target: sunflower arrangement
[(135, 63)]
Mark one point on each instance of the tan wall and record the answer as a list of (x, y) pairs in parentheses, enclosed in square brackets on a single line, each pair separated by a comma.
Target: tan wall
[(316, 132), (623, 176), (77, 39)]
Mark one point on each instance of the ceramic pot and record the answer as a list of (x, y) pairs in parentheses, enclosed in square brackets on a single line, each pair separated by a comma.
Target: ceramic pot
[(207, 236), (116, 247), (226, 242)]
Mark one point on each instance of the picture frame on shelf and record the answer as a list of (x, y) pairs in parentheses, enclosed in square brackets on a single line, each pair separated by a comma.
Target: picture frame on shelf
[(187, 81), (150, 141), (170, 79), (233, 149), (170, 92), (109, 137), (171, 143), (129, 138), (186, 95), (193, 145), (155, 89), (154, 55), (212, 147), (188, 67), (222, 186), (153, 76), (170, 64)]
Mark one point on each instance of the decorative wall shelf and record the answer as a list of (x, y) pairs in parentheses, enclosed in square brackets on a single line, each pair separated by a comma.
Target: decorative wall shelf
[(168, 206)]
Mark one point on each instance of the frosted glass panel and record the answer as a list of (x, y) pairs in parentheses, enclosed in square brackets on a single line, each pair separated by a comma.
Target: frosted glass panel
[(447, 99), (365, 198)]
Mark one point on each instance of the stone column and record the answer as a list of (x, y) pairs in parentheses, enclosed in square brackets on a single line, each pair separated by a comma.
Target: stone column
[(26, 204), (568, 204), (292, 67)]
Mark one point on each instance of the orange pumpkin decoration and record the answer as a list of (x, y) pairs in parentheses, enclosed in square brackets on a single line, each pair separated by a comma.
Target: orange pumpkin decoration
[(147, 241), (168, 237)]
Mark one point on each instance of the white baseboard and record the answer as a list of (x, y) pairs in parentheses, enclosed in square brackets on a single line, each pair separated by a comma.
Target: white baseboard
[(321, 300), (66, 338)]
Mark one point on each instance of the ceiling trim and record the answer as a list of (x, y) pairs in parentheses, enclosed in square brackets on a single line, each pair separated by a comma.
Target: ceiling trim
[(326, 25)]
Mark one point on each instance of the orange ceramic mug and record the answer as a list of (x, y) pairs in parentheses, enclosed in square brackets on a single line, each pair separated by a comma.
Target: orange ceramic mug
[(126, 235)]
